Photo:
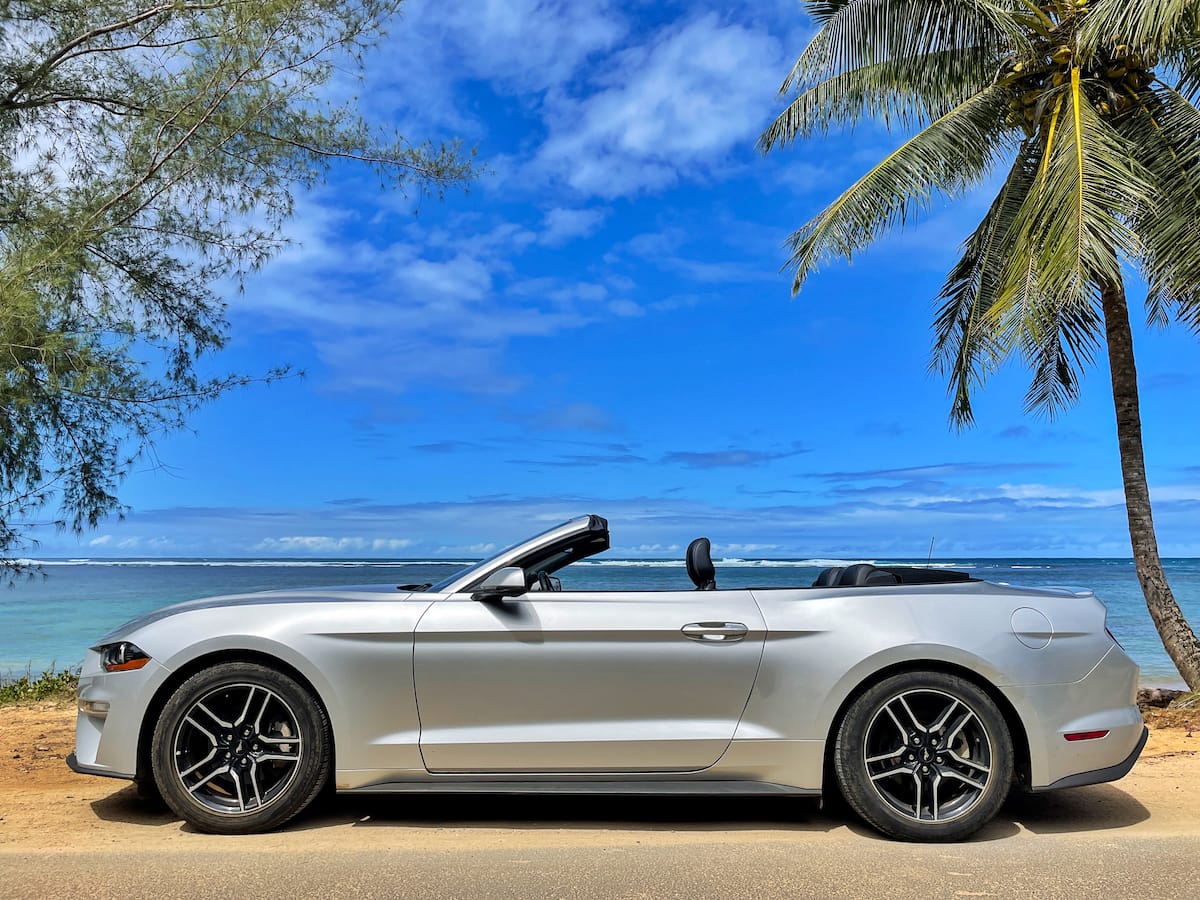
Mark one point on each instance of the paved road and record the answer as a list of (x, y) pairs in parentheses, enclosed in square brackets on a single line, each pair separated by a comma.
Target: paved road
[(1055, 868), (1097, 841)]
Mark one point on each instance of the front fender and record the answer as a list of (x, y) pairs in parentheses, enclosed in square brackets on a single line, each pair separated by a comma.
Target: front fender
[(358, 660)]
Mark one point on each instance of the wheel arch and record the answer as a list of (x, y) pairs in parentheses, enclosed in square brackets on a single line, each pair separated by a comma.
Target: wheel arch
[(200, 663), (1016, 726)]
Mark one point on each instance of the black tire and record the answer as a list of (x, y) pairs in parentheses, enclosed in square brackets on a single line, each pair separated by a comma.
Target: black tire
[(241, 748), (924, 756), (148, 794)]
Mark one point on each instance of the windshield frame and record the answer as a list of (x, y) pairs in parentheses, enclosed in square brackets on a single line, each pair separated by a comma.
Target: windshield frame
[(580, 526)]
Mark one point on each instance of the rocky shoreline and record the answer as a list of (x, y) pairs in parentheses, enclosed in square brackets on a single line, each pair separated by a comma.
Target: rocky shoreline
[(1163, 698)]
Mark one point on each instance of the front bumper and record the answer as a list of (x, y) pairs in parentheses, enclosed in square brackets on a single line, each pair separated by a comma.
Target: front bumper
[(106, 743), (80, 769)]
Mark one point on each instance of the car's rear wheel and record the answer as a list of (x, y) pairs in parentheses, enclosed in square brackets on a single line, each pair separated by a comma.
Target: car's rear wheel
[(924, 756), (240, 748)]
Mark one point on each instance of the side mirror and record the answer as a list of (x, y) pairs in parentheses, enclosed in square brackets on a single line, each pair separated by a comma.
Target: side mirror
[(506, 582)]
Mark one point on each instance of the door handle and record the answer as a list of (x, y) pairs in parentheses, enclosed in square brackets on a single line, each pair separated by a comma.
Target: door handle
[(715, 632)]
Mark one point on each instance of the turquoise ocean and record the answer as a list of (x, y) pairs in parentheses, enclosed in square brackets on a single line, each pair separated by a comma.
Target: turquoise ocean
[(48, 621)]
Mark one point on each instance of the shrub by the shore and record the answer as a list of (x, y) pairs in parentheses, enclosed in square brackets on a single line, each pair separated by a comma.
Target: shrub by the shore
[(50, 685)]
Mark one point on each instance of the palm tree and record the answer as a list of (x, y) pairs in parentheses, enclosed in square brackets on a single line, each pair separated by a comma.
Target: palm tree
[(1089, 104)]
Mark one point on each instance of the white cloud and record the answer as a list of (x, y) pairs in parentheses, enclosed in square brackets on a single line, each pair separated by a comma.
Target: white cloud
[(378, 313), (746, 548), (874, 527), (470, 550), (562, 225), (519, 47), (577, 417), (154, 545), (309, 545), (1073, 497), (626, 309), (378, 306), (390, 544), (653, 549), (528, 45), (667, 109)]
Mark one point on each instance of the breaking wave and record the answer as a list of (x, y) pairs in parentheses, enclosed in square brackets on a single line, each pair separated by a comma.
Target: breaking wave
[(730, 562)]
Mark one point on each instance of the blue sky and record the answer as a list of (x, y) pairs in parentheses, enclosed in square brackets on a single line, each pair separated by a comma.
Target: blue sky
[(601, 325)]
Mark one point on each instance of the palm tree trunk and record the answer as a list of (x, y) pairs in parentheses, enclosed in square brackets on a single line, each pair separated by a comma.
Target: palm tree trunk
[(1177, 636)]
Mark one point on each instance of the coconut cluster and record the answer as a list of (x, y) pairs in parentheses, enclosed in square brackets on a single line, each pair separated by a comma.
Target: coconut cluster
[(1113, 75)]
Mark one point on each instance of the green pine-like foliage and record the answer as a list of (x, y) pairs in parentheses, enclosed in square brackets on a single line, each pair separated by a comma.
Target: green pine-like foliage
[(149, 152)]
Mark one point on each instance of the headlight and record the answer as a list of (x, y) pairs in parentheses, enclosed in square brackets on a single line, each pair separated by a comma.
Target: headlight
[(122, 657)]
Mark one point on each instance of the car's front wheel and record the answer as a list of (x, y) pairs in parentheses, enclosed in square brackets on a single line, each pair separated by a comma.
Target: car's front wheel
[(240, 748), (924, 756)]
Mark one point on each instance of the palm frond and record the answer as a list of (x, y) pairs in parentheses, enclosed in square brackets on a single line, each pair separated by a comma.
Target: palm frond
[(867, 32), (1060, 341), (1165, 34), (1163, 130), (1094, 185), (952, 154), (909, 91), (964, 349), (1071, 235), (823, 10), (1157, 26), (1186, 61)]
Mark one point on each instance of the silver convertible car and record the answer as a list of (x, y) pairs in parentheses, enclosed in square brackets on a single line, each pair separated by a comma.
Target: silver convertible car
[(923, 695)]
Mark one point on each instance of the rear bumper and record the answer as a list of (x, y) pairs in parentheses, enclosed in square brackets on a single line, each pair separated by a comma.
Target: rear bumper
[(1099, 776), (1102, 701)]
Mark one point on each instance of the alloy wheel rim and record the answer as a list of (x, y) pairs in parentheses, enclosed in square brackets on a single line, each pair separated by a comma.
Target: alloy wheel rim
[(928, 755), (237, 749)]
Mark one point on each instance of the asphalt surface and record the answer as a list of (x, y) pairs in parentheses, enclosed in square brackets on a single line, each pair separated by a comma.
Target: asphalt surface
[(1055, 868), (1096, 841)]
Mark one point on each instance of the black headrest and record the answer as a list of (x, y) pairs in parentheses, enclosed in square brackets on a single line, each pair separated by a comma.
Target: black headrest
[(865, 573), (828, 577), (699, 565)]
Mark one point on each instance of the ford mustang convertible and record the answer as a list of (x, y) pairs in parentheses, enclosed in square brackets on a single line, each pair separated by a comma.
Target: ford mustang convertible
[(922, 695)]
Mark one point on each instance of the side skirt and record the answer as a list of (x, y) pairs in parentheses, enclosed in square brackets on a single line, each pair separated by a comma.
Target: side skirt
[(626, 788)]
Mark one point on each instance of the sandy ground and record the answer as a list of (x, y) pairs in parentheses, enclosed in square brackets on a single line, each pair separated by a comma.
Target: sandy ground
[(64, 836), (46, 807)]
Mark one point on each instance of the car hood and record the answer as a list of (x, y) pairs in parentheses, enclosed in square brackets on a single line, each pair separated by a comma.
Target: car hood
[(348, 594)]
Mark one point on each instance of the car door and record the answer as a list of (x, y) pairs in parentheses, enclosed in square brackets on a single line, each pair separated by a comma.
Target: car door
[(584, 681)]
